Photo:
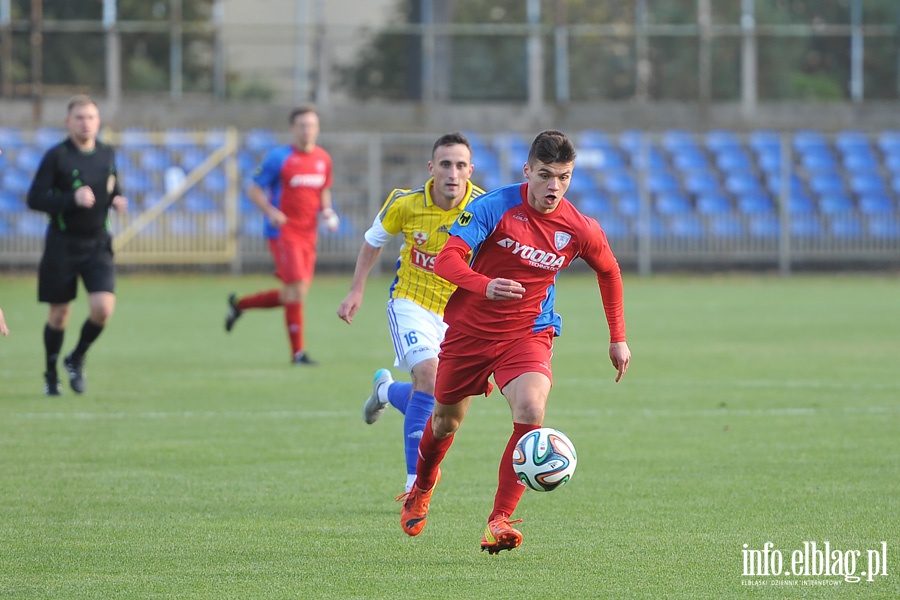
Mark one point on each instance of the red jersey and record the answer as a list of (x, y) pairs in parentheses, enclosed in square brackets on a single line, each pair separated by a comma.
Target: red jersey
[(295, 181), (510, 239)]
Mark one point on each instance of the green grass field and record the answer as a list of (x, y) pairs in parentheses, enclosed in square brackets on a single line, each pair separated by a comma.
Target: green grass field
[(202, 465)]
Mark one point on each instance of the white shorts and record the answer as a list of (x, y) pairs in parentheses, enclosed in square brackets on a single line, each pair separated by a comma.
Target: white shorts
[(417, 333)]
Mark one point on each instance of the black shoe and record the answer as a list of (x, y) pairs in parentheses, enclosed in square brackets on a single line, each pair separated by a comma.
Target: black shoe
[(233, 312), (75, 369), (51, 384), (302, 358)]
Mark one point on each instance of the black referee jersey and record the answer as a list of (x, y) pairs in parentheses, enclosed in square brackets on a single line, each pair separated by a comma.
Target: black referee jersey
[(63, 170)]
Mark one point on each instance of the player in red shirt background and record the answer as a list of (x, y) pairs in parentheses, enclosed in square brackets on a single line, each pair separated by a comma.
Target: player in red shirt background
[(501, 319), (292, 188)]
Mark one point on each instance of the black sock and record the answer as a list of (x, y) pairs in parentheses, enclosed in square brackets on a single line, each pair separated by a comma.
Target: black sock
[(53, 341), (89, 332)]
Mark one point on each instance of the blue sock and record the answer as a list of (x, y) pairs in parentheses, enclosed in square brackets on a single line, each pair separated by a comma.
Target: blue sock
[(417, 413), (398, 395)]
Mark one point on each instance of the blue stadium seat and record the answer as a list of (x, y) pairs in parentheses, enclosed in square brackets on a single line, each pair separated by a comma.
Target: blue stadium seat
[(178, 138), (727, 226), (32, 225), (819, 161), (892, 163), (764, 226), (192, 157), (808, 140), (719, 139), (686, 226), (28, 158), (773, 184), (630, 140), (136, 182), (652, 159), (619, 182), (713, 203), (260, 140), (867, 183), (876, 203), (846, 226), (742, 182), (850, 141), (11, 203), (135, 138), (251, 225), (806, 226), (733, 159), (154, 159), (197, 202), (215, 138), (594, 205), (764, 141), (660, 182), (754, 202), (215, 182), (769, 161), (594, 139), (614, 226), (860, 162), (702, 182), (799, 204), (836, 203), (884, 229), (889, 141), (679, 140), (827, 183), (46, 137), (601, 159), (16, 181), (11, 138), (628, 204), (669, 203), (689, 160)]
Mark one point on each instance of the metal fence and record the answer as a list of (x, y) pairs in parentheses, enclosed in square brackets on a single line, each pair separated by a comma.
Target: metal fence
[(667, 200), (724, 52)]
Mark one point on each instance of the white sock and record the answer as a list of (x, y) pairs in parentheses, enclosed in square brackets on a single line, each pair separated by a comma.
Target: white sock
[(382, 391), (410, 480)]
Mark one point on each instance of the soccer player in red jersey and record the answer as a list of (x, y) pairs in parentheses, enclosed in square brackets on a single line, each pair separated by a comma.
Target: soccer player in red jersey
[(501, 320), (292, 188)]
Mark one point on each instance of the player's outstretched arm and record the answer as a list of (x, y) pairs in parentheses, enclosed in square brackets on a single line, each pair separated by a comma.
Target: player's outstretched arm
[(368, 256), (620, 356)]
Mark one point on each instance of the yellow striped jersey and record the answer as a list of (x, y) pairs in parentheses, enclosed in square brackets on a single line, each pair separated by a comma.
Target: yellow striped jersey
[(425, 228)]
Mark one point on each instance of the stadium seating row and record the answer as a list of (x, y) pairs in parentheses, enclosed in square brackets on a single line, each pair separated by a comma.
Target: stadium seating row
[(714, 179)]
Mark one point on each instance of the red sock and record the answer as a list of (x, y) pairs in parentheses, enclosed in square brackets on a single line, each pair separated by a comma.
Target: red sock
[(509, 489), (431, 453), (293, 318), (267, 299)]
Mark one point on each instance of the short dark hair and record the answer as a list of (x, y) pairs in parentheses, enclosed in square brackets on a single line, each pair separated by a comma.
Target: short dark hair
[(450, 139), (550, 147), (79, 100), (302, 110)]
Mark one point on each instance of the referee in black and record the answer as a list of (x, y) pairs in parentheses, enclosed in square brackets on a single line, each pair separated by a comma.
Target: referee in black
[(76, 184)]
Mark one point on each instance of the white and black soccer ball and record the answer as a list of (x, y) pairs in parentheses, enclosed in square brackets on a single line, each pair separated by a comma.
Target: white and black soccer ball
[(544, 459)]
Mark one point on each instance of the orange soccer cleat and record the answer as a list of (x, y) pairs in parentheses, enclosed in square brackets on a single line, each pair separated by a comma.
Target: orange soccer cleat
[(414, 511), (501, 535)]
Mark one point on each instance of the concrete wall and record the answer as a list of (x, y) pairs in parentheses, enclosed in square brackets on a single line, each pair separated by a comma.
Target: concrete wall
[(417, 118)]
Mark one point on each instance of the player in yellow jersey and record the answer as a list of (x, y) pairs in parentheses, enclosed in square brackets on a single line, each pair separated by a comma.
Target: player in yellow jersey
[(417, 297)]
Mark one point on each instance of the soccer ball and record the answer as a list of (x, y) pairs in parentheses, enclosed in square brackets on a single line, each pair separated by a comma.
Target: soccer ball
[(544, 459)]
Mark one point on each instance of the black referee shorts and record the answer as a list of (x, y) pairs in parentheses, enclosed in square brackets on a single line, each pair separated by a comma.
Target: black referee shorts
[(68, 256)]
